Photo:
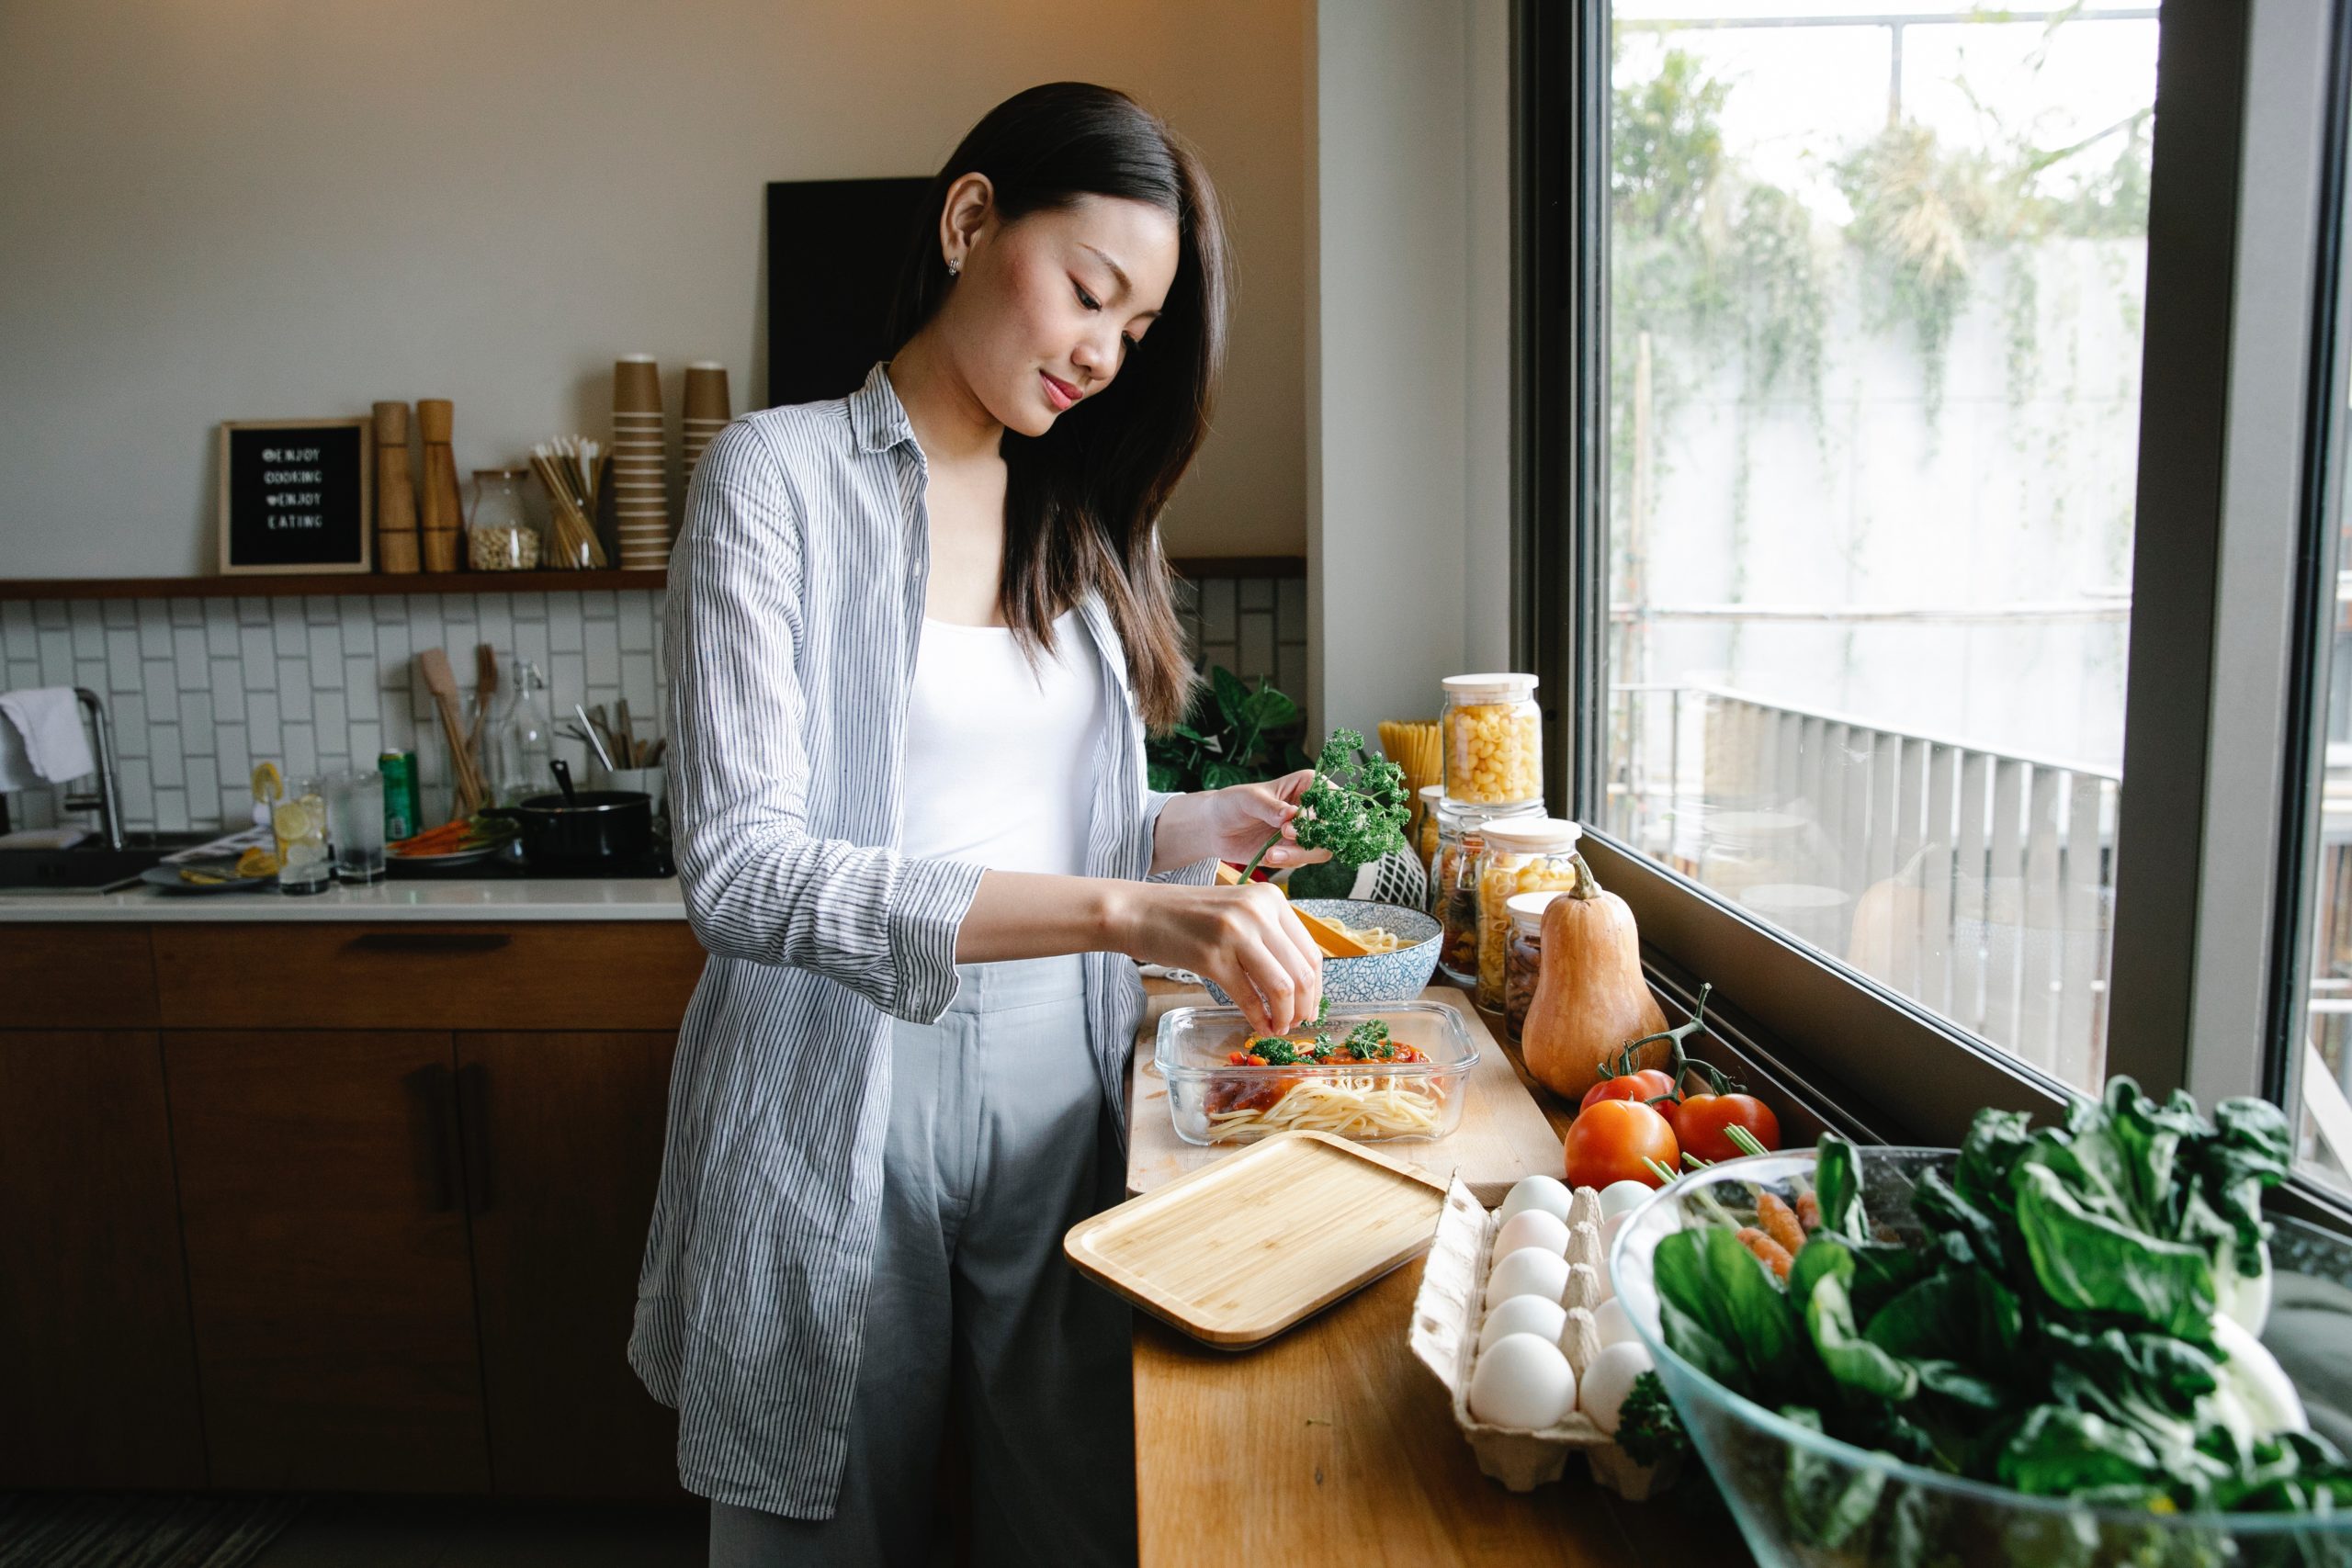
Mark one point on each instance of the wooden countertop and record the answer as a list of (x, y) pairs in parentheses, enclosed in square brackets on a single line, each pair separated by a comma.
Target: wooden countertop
[(1332, 1445)]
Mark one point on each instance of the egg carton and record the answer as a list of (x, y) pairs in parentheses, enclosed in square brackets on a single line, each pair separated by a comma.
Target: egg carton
[(1447, 1313)]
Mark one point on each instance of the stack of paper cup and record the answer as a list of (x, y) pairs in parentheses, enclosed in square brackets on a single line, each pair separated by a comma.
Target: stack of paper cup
[(639, 483), (707, 409)]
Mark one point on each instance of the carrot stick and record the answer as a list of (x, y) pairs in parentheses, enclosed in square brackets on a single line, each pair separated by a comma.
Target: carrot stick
[(1773, 1254), (1809, 1212), (1779, 1222)]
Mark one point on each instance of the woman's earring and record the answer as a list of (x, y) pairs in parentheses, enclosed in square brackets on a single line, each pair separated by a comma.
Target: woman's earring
[(954, 269)]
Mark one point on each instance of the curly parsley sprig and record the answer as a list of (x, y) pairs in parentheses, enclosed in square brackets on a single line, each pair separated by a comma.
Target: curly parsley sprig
[(1354, 807)]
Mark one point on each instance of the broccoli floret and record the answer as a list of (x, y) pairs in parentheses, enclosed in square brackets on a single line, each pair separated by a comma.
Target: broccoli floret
[(1278, 1052), (1648, 1428)]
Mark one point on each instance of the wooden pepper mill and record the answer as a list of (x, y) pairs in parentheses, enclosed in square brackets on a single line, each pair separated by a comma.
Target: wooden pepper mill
[(395, 491), (444, 513)]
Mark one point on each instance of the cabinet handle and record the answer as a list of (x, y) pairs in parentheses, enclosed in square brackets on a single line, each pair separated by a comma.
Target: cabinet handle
[(429, 941), (431, 1088), (473, 1132)]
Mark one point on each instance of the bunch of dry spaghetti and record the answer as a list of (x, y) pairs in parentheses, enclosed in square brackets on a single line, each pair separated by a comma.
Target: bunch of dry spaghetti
[(568, 467), (1414, 745)]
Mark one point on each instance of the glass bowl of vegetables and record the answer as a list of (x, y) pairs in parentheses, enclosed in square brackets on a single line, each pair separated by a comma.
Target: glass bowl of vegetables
[(2056, 1345)]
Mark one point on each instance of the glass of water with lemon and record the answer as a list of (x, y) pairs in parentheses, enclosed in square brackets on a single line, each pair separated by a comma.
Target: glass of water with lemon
[(299, 822)]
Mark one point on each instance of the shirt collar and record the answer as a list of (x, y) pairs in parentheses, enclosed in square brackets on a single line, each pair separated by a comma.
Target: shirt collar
[(876, 414)]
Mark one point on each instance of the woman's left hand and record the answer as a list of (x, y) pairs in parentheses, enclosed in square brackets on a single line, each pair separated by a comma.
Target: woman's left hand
[(1232, 824)]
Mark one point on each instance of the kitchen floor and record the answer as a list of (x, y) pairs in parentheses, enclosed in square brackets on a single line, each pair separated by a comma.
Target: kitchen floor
[(403, 1532)]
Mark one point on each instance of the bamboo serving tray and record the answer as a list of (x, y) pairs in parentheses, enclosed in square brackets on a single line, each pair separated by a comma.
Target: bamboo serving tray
[(1235, 1252)]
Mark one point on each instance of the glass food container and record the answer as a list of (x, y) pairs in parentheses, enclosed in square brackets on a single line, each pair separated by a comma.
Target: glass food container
[(1521, 854), (500, 535), (1779, 1477), (1453, 881), (1523, 959), (1215, 1101), (524, 741), (1494, 740)]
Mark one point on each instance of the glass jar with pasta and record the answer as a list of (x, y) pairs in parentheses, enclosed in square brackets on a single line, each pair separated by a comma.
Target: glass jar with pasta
[(1453, 882), (1523, 959), (1494, 740), (1521, 854)]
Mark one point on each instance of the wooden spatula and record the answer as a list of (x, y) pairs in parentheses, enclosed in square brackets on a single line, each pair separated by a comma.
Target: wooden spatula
[(1330, 935)]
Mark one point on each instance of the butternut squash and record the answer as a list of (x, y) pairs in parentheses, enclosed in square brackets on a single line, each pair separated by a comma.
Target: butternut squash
[(1591, 1001)]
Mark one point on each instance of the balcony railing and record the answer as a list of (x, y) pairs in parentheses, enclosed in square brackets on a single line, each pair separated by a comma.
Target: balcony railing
[(1978, 883)]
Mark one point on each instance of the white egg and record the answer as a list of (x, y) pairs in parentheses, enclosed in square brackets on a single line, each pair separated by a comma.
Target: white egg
[(1530, 1227), (1615, 1326), (1609, 1379), (1522, 1314), (1543, 1192), (1522, 1381), (1619, 1196), (1530, 1271)]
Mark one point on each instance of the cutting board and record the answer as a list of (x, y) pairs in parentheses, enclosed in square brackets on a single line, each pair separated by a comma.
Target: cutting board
[(1239, 1251), (1503, 1135)]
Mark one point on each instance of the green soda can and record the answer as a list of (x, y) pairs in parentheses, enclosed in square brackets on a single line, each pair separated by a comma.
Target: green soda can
[(398, 769)]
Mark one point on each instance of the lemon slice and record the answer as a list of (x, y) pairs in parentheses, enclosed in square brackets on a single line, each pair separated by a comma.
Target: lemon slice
[(257, 862), (201, 878), (268, 783), (296, 819)]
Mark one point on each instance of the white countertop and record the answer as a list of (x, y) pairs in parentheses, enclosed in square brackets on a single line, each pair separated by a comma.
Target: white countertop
[(569, 899)]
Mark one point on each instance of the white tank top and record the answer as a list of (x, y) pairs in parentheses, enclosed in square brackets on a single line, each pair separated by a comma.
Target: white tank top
[(1001, 758)]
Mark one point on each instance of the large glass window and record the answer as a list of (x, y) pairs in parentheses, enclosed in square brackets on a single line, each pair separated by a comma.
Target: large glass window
[(1875, 294)]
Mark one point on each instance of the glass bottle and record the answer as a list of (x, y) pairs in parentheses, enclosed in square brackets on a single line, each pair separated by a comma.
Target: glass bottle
[(1523, 959), (1493, 732), (1524, 854), (500, 535), (525, 737)]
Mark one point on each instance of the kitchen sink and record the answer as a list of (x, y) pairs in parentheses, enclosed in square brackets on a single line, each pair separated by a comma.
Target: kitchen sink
[(90, 866)]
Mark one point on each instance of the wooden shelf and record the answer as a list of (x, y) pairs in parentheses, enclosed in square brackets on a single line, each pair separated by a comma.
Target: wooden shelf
[(337, 583), (369, 583)]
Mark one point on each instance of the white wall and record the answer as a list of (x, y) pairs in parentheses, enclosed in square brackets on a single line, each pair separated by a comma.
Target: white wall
[(1409, 389), (250, 209)]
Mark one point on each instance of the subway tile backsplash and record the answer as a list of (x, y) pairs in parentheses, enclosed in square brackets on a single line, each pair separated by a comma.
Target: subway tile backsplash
[(201, 689)]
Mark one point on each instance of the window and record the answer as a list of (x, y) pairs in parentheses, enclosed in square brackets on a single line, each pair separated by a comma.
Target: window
[(1918, 442)]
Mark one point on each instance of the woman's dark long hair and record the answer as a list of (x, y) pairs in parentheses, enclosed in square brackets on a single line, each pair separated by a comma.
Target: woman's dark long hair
[(1082, 502)]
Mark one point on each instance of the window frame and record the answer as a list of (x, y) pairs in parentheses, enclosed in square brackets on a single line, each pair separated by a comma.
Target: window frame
[(2229, 389)]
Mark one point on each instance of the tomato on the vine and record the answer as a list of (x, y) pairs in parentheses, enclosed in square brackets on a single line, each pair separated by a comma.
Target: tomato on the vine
[(1610, 1140), (1644, 1086), (1701, 1124)]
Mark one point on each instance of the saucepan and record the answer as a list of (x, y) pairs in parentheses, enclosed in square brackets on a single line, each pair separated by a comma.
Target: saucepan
[(583, 826)]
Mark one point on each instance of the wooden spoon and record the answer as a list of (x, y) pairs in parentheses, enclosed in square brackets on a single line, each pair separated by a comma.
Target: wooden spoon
[(1330, 935)]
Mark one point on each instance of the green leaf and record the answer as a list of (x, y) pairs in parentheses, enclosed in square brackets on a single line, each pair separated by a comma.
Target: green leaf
[(1959, 1315), (1724, 1289), (2092, 1263), (1222, 775), (1229, 693), (1825, 1501), (1819, 1280), (1838, 1183), (1268, 709), (2059, 1453)]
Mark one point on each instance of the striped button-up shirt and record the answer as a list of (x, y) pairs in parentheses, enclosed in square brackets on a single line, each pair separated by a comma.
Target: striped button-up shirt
[(797, 595)]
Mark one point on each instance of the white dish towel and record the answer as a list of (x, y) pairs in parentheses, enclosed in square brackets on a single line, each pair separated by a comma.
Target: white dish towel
[(43, 741)]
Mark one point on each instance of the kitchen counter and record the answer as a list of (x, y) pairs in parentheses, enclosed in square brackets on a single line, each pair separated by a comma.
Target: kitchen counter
[(574, 898), (1333, 1444)]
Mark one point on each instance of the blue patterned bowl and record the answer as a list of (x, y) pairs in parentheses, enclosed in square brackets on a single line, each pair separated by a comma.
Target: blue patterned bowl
[(1396, 976)]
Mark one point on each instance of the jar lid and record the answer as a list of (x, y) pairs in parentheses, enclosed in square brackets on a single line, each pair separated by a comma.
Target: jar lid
[(501, 473), (1527, 910), (1503, 684), (1432, 794), (1536, 833), (1471, 814)]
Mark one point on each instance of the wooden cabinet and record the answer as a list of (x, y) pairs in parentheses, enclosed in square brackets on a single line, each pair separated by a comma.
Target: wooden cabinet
[(563, 1142), (319, 1205), (321, 1199), (97, 1378)]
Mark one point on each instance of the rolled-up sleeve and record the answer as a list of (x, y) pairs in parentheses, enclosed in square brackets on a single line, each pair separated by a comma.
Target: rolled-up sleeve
[(757, 884), (1199, 873)]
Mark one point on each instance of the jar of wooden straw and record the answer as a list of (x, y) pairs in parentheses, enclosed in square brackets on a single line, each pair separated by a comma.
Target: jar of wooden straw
[(568, 467)]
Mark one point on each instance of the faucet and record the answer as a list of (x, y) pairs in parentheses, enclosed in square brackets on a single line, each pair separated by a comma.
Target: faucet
[(107, 802)]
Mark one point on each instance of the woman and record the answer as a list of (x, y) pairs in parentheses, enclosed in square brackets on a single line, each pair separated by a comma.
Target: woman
[(913, 638)]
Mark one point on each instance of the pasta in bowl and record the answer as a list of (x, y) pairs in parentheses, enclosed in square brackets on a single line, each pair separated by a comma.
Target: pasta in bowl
[(1385, 1073)]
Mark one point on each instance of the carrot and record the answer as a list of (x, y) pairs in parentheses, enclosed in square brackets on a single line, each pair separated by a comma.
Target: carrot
[(1809, 1210), (1772, 1253), (1779, 1222)]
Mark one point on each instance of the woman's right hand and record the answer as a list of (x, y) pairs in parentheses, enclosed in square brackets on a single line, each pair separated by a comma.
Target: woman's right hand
[(1245, 938)]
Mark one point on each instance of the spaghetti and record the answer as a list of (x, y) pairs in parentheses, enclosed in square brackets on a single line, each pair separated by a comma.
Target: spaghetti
[(1355, 1105)]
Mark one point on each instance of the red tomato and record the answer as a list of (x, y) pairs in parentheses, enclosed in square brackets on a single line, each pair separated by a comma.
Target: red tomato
[(1609, 1140), (1644, 1086), (1700, 1122)]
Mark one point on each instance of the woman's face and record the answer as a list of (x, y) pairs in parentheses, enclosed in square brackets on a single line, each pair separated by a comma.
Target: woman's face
[(1047, 308)]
